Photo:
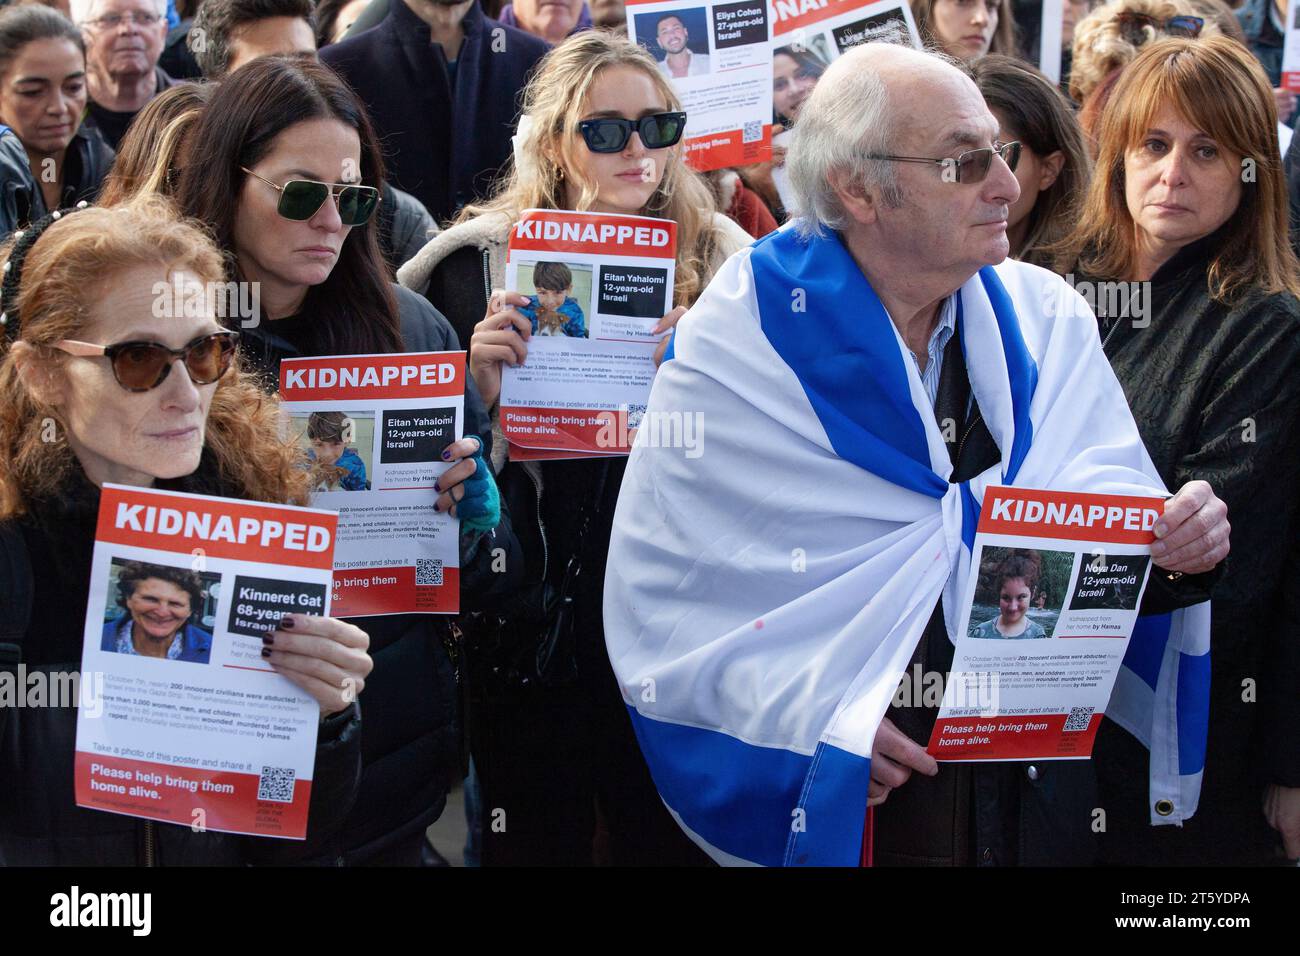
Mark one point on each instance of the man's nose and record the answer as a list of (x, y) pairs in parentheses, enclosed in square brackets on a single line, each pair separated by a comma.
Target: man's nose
[(1001, 186)]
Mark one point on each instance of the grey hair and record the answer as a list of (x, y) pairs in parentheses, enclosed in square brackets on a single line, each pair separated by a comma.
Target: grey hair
[(82, 10), (841, 124)]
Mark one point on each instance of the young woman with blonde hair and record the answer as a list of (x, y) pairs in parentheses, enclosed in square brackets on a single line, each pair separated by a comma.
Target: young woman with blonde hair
[(551, 739)]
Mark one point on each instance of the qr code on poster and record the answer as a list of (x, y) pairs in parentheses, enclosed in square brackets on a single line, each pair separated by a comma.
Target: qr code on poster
[(276, 784), (1079, 719), (428, 572), (634, 415), (752, 131)]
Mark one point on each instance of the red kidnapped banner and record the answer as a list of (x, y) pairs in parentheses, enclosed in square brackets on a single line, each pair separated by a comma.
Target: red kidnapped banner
[(372, 377), (217, 527), (1062, 514), (544, 230), (158, 791)]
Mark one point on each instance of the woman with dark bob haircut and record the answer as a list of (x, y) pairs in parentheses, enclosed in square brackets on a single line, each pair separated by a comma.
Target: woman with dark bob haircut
[(285, 170), (1188, 211)]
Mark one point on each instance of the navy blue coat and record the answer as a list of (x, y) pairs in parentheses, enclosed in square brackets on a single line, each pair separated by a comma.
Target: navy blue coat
[(444, 143)]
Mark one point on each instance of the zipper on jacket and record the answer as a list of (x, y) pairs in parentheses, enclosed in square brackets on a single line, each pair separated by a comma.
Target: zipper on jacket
[(150, 855), (541, 526), (1109, 333), (962, 444), (487, 282)]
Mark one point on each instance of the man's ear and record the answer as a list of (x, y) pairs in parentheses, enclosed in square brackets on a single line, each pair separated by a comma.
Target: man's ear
[(1052, 165), (860, 202), (41, 375)]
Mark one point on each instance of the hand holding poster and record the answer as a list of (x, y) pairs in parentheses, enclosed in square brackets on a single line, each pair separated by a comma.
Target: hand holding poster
[(195, 727), (717, 57), (1056, 581), (375, 427), (597, 284)]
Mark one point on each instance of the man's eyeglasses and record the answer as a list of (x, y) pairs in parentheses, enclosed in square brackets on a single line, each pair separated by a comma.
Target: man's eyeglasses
[(142, 366), (968, 167), (610, 135), (1132, 27), (111, 21), (300, 199)]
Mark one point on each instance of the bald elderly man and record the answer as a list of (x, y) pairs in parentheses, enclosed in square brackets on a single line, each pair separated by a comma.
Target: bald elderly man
[(860, 378)]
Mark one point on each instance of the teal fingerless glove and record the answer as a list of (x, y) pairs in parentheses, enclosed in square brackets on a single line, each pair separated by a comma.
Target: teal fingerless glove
[(480, 509)]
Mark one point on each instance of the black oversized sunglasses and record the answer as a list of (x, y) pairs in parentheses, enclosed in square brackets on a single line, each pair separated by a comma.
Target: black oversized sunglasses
[(610, 135), (142, 366), (301, 198), (969, 167)]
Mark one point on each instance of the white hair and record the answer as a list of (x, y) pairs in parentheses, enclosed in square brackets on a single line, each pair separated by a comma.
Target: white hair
[(848, 117), (83, 10)]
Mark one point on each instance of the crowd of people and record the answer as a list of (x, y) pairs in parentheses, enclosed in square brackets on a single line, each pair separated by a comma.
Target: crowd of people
[(362, 164)]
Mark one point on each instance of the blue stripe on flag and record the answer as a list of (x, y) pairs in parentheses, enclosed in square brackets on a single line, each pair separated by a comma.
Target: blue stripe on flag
[(970, 516), (1021, 370), (821, 316), (1193, 708), (742, 798), (1146, 649)]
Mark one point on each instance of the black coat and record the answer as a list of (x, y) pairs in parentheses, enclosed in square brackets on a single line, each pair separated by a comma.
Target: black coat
[(412, 744), (40, 823), (444, 143), (1215, 391), (404, 226), (16, 183), (87, 162)]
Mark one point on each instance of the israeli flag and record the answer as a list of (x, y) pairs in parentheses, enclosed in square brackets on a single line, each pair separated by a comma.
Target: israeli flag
[(765, 593)]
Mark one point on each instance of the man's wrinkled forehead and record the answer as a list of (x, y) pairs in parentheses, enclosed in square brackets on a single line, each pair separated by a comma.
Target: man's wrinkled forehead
[(958, 118)]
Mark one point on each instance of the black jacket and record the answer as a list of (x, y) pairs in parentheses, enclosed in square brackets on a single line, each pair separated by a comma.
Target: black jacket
[(87, 162), (113, 125), (404, 226), (444, 141), (1215, 391), (16, 183), (40, 823), (412, 743)]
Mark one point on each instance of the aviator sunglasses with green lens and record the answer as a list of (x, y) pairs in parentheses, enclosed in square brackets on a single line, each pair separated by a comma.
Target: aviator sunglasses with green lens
[(143, 366), (610, 134), (301, 198)]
